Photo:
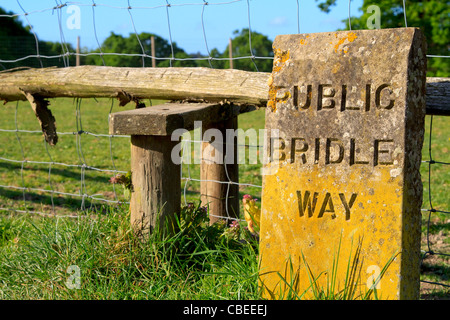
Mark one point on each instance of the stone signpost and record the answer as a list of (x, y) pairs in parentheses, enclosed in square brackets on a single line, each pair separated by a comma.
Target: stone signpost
[(343, 178)]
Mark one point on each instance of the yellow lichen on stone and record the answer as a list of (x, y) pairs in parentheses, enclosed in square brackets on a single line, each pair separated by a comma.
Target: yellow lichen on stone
[(350, 38), (272, 103), (279, 61)]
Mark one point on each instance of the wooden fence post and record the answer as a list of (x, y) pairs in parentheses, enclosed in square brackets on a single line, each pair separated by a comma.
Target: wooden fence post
[(152, 42), (230, 50), (222, 199), (155, 197), (77, 57)]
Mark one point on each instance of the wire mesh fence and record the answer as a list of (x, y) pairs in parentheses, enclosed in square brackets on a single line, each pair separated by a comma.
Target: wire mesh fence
[(75, 175), (436, 211)]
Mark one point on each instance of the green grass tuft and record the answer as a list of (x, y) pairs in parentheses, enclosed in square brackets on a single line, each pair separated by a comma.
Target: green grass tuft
[(197, 262)]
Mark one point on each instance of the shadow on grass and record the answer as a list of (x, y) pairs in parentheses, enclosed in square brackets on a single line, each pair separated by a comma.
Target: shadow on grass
[(439, 271), (67, 172), (437, 227), (44, 202)]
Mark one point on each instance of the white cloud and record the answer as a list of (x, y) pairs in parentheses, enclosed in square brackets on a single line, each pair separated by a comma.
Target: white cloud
[(279, 21)]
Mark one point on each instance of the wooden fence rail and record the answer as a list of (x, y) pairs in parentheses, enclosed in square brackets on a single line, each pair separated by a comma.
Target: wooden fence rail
[(196, 84)]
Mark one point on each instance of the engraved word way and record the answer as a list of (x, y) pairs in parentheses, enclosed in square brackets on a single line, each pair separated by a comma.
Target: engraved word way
[(307, 203)]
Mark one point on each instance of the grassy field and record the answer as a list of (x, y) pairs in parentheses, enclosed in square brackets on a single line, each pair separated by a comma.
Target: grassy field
[(35, 252), (99, 152)]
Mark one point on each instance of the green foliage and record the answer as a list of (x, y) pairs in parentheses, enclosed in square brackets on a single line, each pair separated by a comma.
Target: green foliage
[(261, 46), (432, 16), (18, 41), (9, 230), (13, 36), (325, 6), (123, 179), (134, 48), (195, 231)]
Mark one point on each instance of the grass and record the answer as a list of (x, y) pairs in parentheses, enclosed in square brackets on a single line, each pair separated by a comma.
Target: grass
[(36, 252), (353, 288), (439, 173), (196, 263), (70, 149)]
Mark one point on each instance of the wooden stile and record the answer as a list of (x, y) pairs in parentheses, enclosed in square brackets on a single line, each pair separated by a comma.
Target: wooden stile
[(155, 170)]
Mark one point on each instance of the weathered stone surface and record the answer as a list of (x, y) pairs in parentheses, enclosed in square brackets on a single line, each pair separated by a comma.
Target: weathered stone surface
[(349, 107)]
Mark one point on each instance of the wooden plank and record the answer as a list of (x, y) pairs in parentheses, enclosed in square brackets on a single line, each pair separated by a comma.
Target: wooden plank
[(165, 83), (438, 96), (140, 83), (162, 120)]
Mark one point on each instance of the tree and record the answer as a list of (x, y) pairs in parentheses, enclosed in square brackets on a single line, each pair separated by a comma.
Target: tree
[(17, 41), (215, 62), (432, 16), (261, 46), (131, 48)]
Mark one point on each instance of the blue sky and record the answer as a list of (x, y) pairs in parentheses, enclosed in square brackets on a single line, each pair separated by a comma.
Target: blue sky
[(220, 19)]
